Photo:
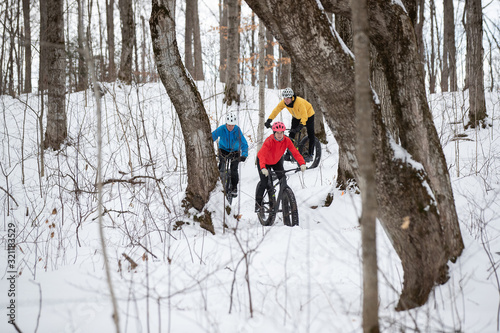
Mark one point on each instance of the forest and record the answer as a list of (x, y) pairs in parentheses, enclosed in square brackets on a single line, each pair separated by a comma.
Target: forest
[(115, 217)]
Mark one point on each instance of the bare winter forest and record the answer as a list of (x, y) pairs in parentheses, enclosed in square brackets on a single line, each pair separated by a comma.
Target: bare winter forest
[(114, 214)]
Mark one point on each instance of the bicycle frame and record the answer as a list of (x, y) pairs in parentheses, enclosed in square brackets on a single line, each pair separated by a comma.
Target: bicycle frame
[(282, 184)]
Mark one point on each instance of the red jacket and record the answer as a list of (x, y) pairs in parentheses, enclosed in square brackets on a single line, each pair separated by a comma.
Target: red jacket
[(272, 150)]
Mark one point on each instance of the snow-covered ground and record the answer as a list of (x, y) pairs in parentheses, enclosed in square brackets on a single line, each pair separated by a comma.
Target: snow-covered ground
[(245, 278)]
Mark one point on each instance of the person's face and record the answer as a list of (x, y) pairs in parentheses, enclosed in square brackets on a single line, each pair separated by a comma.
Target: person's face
[(288, 100), (279, 135), (230, 127)]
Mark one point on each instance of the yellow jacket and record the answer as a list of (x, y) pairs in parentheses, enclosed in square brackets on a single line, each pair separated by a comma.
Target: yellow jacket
[(301, 109)]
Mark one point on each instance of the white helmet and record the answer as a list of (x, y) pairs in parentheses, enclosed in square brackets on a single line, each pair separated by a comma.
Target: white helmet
[(287, 93), (231, 119)]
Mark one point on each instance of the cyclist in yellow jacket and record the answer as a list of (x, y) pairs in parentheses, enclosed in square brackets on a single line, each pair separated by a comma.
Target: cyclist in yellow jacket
[(303, 115)]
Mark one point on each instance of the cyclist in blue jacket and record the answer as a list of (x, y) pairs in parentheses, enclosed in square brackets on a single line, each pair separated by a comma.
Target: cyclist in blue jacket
[(233, 146)]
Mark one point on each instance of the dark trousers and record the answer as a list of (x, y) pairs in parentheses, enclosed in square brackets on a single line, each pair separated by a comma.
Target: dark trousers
[(278, 168), (235, 160), (310, 132)]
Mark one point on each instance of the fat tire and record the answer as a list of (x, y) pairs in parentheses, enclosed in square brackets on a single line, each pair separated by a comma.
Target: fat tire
[(290, 210), (226, 183), (303, 148), (266, 214)]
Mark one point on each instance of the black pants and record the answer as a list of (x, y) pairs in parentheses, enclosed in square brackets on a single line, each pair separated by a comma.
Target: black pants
[(278, 168), (310, 132), (235, 160)]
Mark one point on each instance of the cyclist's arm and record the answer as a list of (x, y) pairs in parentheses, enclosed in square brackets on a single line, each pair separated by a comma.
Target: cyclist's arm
[(277, 109), (216, 134), (244, 144)]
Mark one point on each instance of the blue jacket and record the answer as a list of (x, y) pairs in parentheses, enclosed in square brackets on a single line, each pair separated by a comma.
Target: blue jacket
[(231, 141)]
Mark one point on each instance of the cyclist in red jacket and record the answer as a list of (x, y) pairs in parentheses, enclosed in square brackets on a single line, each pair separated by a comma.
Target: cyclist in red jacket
[(270, 156)]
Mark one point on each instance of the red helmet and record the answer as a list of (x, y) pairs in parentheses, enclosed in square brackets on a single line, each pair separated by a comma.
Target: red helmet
[(279, 127)]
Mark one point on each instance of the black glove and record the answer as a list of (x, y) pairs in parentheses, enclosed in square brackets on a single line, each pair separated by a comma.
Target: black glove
[(268, 123), (243, 158)]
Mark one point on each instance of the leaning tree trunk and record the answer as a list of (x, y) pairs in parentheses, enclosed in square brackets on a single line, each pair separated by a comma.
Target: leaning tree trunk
[(56, 131), (398, 52), (200, 156), (423, 247)]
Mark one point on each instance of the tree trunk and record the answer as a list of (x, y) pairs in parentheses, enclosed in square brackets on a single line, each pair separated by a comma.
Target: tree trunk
[(27, 46), (56, 131), (449, 71), (198, 59), (262, 84), (428, 243), (201, 164), (188, 38), (364, 151), (253, 54), (223, 40), (402, 65), (233, 51), (82, 83), (270, 59), (432, 57), (43, 70), (110, 29), (128, 40), (475, 73)]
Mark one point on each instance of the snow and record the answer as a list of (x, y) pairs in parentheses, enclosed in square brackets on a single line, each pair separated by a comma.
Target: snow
[(301, 279)]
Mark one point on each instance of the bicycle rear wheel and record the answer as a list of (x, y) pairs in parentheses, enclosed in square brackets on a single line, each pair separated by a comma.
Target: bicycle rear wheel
[(266, 213), (303, 147), (290, 210)]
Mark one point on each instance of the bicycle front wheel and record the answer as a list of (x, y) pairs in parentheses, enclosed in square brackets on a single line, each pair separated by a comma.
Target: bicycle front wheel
[(290, 210), (303, 147), (266, 212)]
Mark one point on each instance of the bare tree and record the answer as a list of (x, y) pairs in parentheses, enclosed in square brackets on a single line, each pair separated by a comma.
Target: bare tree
[(223, 26), (270, 59), (27, 46), (475, 72), (192, 41), (56, 131), (433, 236), (198, 59), (201, 164), (262, 85), (128, 40), (233, 51), (431, 60), (110, 29), (449, 70), (82, 83), (188, 38), (364, 150)]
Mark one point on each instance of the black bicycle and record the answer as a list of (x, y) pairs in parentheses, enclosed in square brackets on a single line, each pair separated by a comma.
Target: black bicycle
[(301, 142), (271, 204), (225, 176)]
